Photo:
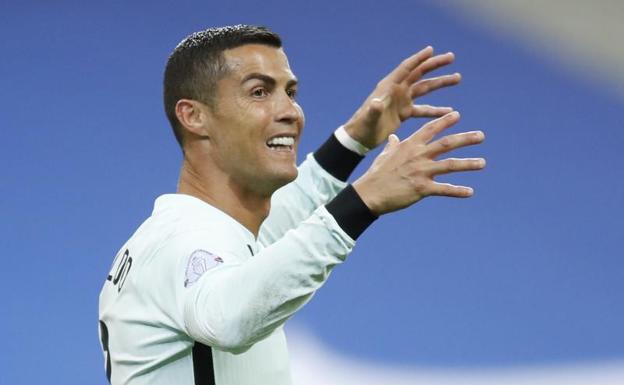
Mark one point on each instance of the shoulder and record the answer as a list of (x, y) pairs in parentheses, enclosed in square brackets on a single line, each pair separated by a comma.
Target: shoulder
[(181, 221), (183, 231), (182, 225)]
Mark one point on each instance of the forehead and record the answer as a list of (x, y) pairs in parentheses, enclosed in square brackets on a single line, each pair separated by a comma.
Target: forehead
[(257, 58)]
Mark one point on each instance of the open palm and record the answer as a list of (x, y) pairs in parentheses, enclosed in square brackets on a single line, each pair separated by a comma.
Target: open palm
[(392, 101)]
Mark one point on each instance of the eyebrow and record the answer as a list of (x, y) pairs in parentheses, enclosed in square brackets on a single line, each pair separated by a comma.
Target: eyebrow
[(268, 79)]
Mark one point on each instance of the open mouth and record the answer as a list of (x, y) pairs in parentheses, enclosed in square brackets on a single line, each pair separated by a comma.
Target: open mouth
[(281, 143)]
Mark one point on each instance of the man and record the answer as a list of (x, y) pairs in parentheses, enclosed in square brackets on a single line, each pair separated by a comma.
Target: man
[(200, 292)]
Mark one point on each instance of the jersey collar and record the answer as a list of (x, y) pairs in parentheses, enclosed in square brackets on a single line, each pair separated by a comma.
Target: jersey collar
[(201, 210)]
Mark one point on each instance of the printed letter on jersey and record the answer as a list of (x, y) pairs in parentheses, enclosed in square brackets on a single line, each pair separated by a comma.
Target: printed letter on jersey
[(200, 262)]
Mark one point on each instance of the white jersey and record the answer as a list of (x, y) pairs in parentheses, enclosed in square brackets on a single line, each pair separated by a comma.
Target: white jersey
[(194, 298)]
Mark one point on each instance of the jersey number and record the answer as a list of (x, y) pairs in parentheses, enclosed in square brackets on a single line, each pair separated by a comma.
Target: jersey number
[(118, 279), (123, 268), (104, 338)]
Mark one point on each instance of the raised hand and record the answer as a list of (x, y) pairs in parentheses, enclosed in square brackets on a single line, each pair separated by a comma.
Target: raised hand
[(404, 172), (392, 101)]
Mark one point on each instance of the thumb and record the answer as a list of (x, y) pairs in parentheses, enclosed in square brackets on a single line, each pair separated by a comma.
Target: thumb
[(393, 141), (374, 111)]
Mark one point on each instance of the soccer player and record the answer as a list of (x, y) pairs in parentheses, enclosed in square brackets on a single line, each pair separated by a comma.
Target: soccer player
[(200, 292)]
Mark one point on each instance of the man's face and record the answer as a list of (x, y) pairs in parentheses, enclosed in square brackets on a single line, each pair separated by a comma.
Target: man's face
[(256, 122)]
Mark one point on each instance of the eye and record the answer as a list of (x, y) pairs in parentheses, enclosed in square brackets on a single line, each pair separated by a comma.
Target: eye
[(292, 93), (259, 92)]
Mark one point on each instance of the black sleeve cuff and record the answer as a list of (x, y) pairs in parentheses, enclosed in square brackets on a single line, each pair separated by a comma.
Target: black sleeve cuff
[(336, 159), (351, 212)]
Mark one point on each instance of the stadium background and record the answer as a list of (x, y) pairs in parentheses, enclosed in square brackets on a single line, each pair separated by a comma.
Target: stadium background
[(521, 284)]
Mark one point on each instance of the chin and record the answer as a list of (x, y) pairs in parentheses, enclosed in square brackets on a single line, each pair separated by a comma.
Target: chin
[(286, 177), (279, 180)]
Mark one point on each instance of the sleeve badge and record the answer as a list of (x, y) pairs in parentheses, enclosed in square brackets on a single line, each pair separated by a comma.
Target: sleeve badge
[(200, 262)]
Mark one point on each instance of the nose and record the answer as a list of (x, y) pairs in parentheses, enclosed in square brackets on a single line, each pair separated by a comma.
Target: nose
[(287, 109)]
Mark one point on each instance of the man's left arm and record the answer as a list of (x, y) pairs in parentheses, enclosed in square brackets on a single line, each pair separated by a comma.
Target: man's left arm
[(324, 174)]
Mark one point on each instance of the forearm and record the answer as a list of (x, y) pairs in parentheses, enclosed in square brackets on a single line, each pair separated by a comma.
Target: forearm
[(321, 176)]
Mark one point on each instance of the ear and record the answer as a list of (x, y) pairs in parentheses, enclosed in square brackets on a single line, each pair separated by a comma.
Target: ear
[(194, 116)]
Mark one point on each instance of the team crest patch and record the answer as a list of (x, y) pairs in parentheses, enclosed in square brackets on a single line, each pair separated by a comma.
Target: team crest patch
[(200, 262)]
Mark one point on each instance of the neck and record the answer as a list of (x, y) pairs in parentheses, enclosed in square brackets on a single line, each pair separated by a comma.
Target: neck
[(219, 190)]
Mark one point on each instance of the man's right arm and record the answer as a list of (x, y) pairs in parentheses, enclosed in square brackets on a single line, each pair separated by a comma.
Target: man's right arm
[(321, 176), (236, 305), (324, 174)]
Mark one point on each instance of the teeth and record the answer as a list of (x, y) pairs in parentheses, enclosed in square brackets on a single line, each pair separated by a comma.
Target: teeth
[(282, 141)]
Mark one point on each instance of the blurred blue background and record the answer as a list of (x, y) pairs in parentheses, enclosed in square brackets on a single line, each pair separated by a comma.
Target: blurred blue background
[(528, 272)]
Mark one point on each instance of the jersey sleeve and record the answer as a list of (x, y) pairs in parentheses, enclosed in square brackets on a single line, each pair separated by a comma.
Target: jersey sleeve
[(321, 177), (297, 200), (238, 302)]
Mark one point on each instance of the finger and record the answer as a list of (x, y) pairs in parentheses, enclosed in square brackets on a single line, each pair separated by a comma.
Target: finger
[(454, 165), (450, 190), (434, 127), (429, 65), (452, 142), (425, 110), (425, 86), (404, 69)]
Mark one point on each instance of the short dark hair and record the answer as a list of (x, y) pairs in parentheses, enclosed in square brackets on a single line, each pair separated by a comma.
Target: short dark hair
[(197, 63)]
